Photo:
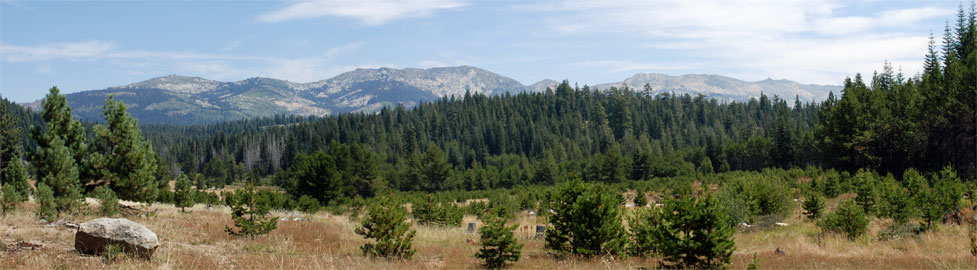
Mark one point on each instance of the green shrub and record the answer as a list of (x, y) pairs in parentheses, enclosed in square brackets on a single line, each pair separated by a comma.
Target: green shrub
[(867, 187), (108, 202), (499, 246), (112, 253), (849, 219), (250, 213), (754, 264), (308, 204), (45, 199), (587, 221), (15, 175), (642, 225), (183, 193), (900, 230), (430, 212), (899, 205), (10, 198), (944, 196), (688, 233), (761, 196), (387, 224), (640, 198), (813, 207)]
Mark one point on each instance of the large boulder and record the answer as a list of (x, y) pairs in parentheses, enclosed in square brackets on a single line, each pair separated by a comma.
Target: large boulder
[(134, 238)]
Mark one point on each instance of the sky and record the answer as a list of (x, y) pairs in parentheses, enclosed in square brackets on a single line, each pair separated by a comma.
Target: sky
[(94, 44)]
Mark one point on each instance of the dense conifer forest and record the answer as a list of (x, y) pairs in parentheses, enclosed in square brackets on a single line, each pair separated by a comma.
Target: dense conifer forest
[(890, 146)]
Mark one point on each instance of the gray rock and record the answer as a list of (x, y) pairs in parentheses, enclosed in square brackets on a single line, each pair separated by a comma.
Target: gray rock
[(540, 231), (134, 238)]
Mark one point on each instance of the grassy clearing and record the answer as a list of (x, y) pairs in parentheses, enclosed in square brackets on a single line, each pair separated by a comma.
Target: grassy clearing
[(322, 241)]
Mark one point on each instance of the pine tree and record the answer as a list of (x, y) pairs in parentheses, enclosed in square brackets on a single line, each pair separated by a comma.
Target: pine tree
[(250, 213), (387, 224), (9, 139), (124, 157), (849, 219), (614, 169), (15, 176), (867, 188), (499, 245), (640, 198), (59, 123), (692, 233), (108, 200), (431, 169), (57, 170), (183, 192), (813, 207), (45, 199), (587, 220), (10, 198)]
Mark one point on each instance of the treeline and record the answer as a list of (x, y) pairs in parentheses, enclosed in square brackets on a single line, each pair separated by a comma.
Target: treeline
[(502, 141), (477, 142), (889, 124), (925, 122)]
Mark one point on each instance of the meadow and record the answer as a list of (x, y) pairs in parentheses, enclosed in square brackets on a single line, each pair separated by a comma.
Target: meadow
[(197, 240)]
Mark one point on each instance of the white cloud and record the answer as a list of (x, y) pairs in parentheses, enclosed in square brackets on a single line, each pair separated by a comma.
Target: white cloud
[(431, 63), (619, 66), (370, 12), (804, 40), (214, 66), (85, 49)]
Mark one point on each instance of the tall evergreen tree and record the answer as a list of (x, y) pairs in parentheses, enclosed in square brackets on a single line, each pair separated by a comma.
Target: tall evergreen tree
[(58, 123), (9, 138), (430, 170), (124, 158)]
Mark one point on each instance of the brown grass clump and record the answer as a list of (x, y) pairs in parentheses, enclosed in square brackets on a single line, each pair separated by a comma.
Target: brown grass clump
[(197, 241)]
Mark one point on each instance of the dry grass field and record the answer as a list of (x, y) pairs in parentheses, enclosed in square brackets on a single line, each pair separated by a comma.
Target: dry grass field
[(197, 241)]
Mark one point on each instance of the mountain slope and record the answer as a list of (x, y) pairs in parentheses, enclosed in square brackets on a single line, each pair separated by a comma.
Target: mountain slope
[(723, 88), (193, 100)]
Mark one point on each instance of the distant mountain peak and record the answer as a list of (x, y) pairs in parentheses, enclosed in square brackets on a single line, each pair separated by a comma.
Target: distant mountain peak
[(175, 83), (723, 87), (194, 100), (541, 86)]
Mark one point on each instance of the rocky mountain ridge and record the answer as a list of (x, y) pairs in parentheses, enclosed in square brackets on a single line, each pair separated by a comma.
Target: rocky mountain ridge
[(193, 100)]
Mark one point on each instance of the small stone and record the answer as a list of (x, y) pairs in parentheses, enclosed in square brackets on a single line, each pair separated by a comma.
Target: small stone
[(540, 231)]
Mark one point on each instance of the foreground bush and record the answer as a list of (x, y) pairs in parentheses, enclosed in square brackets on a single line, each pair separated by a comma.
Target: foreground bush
[(183, 193), (108, 201), (10, 198), (587, 220), (689, 233), (849, 219), (387, 223), (430, 212), (499, 246), (250, 213), (813, 207)]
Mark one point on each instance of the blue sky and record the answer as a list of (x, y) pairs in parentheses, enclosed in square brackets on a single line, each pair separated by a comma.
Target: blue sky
[(84, 45)]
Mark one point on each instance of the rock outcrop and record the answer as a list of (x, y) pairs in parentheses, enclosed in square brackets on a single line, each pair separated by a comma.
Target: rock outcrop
[(94, 236)]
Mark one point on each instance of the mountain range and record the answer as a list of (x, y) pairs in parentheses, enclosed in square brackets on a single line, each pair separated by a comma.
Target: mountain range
[(192, 100)]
